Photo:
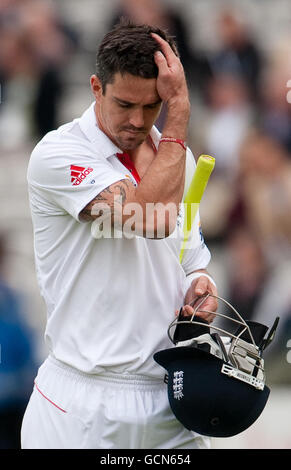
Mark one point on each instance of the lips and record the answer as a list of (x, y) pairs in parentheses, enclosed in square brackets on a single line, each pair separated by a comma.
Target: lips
[(134, 131)]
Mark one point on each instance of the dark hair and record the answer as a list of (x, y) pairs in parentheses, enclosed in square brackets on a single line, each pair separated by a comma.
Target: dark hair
[(129, 48)]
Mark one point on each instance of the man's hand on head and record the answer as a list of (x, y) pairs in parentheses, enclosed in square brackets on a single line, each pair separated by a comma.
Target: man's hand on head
[(171, 81)]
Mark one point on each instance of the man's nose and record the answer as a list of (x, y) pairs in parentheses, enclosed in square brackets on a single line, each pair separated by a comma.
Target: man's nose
[(137, 118)]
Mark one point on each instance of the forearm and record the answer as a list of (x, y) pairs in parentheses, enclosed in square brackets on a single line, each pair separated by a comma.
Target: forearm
[(164, 180), (178, 114)]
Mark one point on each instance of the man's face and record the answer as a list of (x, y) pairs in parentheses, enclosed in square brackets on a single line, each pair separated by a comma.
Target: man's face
[(128, 109)]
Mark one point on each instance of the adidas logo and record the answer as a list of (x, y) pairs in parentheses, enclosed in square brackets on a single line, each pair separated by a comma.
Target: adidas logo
[(79, 173)]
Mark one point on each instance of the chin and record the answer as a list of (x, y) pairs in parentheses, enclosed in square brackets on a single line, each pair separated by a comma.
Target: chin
[(129, 144)]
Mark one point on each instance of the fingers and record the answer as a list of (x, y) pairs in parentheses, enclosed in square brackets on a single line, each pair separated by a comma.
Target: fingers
[(171, 82), (196, 300), (209, 307), (167, 51), (201, 286), (161, 62), (207, 312)]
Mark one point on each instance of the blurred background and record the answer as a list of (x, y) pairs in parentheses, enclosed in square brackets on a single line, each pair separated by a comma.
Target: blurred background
[(237, 58)]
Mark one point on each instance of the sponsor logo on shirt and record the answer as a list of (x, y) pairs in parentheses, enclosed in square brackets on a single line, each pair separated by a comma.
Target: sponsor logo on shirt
[(79, 173)]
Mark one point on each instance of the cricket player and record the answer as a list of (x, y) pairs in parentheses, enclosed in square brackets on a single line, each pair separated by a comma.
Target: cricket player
[(106, 193)]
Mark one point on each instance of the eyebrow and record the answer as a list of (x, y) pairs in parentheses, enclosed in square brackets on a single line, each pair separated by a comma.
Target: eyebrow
[(131, 103)]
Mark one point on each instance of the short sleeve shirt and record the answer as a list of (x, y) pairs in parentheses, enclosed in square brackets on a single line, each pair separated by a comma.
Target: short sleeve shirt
[(109, 301)]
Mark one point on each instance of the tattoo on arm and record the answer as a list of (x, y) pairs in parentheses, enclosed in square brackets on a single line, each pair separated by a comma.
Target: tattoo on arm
[(121, 191), (117, 192)]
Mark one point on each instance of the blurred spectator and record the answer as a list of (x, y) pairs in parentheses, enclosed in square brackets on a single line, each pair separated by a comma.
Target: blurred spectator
[(275, 111), (17, 363), (226, 122), (221, 128), (231, 93), (264, 195), (237, 53), (35, 45), (247, 271)]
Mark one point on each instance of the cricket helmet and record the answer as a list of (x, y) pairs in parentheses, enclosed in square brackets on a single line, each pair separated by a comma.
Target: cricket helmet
[(216, 380)]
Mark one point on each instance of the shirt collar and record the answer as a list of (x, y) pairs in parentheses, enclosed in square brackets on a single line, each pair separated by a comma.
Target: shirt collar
[(155, 135), (89, 126)]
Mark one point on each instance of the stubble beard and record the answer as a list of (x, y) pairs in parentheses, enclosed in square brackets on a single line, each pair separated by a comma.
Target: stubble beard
[(128, 143)]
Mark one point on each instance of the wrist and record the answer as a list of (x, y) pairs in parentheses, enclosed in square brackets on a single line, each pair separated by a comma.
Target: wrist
[(178, 105), (177, 122), (173, 140), (195, 275), (176, 130)]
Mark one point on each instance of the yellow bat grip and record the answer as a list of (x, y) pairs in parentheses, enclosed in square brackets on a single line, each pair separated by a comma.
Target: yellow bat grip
[(204, 168)]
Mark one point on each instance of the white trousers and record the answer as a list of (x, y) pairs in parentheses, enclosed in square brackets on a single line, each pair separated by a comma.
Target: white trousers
[(72, 410)]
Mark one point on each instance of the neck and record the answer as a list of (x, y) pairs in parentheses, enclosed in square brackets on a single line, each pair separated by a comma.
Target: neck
[(99, 123)]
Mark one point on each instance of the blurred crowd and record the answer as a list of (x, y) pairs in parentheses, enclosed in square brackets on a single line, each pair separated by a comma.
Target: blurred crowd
[(35, 46), (18, 362), (240, 115)]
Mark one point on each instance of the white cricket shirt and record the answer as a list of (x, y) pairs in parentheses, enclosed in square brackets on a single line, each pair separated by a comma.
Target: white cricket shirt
[(109, 300)]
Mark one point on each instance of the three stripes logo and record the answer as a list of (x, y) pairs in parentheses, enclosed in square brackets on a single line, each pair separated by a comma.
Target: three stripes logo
[(79, 173)]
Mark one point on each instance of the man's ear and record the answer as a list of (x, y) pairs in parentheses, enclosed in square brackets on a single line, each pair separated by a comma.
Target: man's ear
[(96, 87)]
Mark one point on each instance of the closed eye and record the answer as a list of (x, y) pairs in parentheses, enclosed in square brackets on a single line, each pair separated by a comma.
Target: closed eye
[(127, 104), (123, 104), (152, 106)]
